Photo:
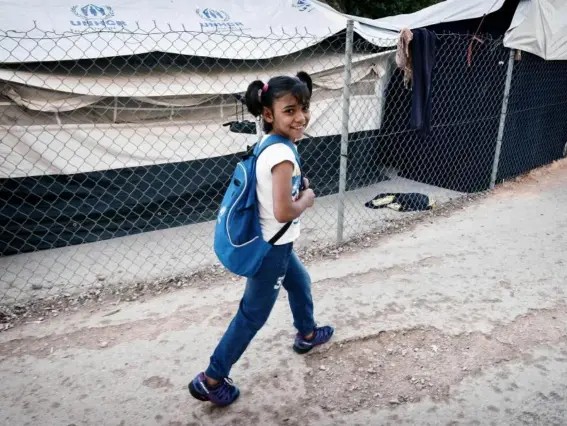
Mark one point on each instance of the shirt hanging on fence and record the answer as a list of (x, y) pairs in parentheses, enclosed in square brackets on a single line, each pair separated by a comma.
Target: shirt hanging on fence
[(403, 54)]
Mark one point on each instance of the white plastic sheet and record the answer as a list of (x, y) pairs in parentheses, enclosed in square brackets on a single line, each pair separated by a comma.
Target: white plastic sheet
[(55, 30)]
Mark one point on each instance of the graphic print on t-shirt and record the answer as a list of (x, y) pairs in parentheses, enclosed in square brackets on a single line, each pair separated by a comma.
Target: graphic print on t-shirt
[(295, 187)]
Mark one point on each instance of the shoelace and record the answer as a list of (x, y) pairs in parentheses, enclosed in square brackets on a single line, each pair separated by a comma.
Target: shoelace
[(225, 390), (321, 333)]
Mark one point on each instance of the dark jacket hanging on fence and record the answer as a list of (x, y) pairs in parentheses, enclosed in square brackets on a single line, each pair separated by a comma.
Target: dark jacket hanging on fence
[(423, 61)]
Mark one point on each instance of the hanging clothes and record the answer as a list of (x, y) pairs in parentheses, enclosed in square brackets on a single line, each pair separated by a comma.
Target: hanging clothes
[(423, 53), (403, 55)]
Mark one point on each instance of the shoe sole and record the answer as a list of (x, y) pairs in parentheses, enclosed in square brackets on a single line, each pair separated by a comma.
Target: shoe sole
[(195, 394), (302, 351)]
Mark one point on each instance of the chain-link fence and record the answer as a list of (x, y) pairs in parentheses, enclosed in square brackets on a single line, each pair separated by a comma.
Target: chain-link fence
[(113, 163)]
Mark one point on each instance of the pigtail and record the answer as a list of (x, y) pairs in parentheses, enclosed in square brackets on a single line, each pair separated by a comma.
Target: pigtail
[(306, 78), (253, 98)]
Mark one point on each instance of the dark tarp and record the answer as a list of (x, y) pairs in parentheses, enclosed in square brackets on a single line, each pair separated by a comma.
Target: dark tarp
[(38, 213), (536, 124), (457, 154)]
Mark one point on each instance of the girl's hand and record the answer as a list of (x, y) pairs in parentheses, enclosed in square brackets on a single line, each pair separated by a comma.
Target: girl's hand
[(306, 183), (285, 209), (307, 197)]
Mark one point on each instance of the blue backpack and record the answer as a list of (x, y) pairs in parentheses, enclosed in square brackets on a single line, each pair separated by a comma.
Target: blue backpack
[(239, 244)]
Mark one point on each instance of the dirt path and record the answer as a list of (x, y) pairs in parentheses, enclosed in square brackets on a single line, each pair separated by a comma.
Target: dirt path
[(462, 320)]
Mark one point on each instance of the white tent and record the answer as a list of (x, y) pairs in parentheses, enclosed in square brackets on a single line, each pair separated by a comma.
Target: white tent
[(538, 26), (66, 123), (104, 120), (58, 30), (62, 30)]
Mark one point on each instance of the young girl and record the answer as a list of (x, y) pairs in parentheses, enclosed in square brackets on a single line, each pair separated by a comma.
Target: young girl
[(283, 103)]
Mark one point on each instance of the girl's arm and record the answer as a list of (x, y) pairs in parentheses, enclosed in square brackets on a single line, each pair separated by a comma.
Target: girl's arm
[(285, 209)]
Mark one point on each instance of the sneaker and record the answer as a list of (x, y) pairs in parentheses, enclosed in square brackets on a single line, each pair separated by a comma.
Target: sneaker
[(321, 335), (223, 394)]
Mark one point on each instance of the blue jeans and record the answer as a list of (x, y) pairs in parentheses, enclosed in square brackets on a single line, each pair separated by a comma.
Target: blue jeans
[(281, 267)]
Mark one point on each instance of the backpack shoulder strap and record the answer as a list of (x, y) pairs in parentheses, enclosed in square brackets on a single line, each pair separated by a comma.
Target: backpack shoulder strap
[(273, 140)]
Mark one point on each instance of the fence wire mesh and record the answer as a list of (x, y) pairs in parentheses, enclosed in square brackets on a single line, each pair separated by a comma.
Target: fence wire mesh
[(113, 167)]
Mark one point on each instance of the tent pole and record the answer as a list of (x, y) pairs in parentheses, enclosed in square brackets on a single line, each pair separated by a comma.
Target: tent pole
[(345, 129), (502, 125)]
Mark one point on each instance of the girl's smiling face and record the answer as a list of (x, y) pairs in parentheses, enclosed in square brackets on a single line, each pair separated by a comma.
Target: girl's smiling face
[(288, 117)]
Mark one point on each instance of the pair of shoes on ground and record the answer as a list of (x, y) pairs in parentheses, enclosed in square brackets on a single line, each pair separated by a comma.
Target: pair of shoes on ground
[(225, 392)]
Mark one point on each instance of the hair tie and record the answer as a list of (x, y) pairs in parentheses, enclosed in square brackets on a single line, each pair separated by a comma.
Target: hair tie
[(264, 89)]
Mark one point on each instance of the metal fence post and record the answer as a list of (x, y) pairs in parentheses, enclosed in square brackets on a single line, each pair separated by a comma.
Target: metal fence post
[(502, 124), (345, 129)]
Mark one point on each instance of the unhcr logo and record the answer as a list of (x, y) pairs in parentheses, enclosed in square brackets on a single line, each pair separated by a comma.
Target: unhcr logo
[(303, 5), (93, 11), (95, 16), (213, 15), (217, 19)]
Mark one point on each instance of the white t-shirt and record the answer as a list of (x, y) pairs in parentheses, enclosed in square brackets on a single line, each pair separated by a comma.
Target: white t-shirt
[(268, 159)]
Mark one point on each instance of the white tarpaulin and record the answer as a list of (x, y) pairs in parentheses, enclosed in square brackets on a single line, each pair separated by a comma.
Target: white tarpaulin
[(385, 31), (327, 70), (32, 150), (45, 100), (51, 138), (540, 27), (54, 30)]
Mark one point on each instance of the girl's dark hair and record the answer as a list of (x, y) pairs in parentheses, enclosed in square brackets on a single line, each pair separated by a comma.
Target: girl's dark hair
[(300, 86)]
